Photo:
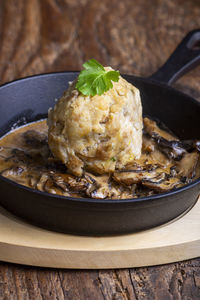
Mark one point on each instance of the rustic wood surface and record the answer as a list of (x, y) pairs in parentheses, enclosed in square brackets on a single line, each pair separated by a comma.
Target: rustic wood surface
[(136, 37)]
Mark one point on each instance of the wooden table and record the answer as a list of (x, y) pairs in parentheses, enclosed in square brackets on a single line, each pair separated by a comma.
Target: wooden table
[(136, 37)]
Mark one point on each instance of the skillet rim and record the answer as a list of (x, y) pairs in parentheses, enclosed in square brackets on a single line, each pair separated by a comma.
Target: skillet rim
[(144, 79), (104, 201)]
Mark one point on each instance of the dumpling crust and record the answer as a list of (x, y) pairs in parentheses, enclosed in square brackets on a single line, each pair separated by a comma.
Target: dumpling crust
[(99, 133)]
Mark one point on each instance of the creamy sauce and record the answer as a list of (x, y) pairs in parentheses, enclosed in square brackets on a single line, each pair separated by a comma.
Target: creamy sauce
[(14, 137), (25, 158)]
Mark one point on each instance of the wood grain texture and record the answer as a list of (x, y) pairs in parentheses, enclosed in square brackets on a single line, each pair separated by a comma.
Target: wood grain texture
[(23, 243), (175, 281), (135, 36)]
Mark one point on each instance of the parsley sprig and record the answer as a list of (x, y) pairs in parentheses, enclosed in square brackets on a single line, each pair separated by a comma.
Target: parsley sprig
[(94, 79)]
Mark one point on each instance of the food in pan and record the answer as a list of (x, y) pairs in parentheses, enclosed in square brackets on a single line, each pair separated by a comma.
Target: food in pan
[(165, 163), (99, 133), (89, 130)]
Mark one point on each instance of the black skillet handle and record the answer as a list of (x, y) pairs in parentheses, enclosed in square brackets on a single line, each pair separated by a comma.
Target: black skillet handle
[(185, 57)]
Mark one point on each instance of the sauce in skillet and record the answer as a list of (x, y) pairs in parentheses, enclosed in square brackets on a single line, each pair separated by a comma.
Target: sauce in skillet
[(165, 164)]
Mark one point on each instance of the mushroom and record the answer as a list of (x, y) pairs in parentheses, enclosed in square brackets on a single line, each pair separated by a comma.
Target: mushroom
[(19, 155), (15, 173), (172, 149), (158, 179), (33, 180), (186, 167), (161, 183), (34, 139), (37, 144), (165, 163), (68, 182), (166, 142), (98, 185), (190, 145), (41, 182), (52, 188), (152, 129), (12, 172)]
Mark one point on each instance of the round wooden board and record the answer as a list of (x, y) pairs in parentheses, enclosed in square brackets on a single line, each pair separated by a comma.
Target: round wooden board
[(26, 244)]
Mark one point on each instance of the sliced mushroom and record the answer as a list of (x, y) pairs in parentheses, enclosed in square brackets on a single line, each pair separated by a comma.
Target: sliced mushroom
[(190, 145), (186, 167), (197, 145), (197, 171), (59, 182), (126, 193), (39, 153), (165, 163), (127, 178), (98, 186), (51, 188), (37, 144), (142, 168), (20, 155), (111, 191), (131, 177), (102, 186), (160, 179), (70, 182), (152, 152), (5, 152), (152, 129), (15, 173), (100, 193), (33, 180), (172, 149), (12, 172), (166, 143), (34, 139), (143, 165), (161, 184), (41, 182)]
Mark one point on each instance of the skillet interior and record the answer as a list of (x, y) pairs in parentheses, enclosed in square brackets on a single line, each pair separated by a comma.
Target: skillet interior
[(27, 100)]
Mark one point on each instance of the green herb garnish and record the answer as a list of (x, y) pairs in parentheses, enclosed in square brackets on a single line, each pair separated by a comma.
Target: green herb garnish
[(113, 158), (94, 79)]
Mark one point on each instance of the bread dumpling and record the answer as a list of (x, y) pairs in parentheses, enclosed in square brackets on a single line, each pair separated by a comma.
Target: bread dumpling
[(97, 133)]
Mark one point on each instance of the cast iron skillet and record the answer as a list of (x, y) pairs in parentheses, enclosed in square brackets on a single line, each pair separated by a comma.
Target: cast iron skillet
[(28, 99)]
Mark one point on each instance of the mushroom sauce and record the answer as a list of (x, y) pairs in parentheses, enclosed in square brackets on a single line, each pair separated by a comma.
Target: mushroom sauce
[(166, 163)]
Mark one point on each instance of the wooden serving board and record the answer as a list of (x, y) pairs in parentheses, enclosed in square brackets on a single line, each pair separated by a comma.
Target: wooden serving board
[(26, 244)]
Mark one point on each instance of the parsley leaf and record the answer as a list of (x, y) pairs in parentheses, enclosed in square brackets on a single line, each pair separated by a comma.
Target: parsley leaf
[(94, 79), (113, 158)]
